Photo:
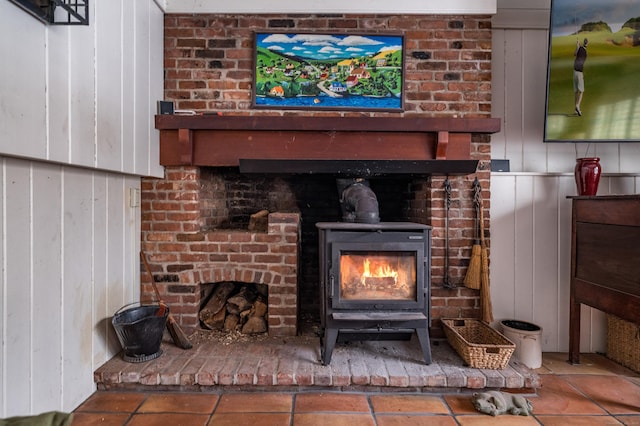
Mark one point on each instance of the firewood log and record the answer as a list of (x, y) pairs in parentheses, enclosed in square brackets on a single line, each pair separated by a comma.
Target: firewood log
[(259, 222), (231, 322), (218, 299), (259, 308), (241, 301), (214, 321), (254, 325)]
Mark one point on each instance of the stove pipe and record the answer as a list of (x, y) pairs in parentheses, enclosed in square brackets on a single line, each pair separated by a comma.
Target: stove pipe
[(359, 203)]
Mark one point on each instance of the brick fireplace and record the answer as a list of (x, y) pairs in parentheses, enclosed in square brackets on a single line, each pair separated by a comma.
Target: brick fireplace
[(194, 221), (181, 235)]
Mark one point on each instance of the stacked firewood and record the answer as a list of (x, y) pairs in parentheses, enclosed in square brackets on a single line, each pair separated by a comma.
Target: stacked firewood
[(235, 307)]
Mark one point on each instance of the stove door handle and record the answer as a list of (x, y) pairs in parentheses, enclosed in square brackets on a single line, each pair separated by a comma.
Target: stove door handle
[(331, 282)]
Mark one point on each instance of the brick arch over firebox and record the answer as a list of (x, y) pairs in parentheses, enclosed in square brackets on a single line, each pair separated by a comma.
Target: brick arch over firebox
[(279, 277)]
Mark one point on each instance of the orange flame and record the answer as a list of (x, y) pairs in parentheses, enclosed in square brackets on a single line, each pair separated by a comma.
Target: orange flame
[(379, 272)]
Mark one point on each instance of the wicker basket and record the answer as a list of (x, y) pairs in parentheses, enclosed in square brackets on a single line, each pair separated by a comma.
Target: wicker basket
[(623, 342), (479, 345)]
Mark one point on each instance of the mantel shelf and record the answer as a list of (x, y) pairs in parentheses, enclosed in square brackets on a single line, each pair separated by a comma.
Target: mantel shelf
[(375, 145), (327, 124)]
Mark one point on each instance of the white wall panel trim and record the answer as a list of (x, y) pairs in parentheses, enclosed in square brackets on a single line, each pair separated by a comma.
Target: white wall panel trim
[(333, 6)]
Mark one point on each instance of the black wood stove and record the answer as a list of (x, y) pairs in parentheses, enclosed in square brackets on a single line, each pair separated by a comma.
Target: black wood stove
[(374, 283)]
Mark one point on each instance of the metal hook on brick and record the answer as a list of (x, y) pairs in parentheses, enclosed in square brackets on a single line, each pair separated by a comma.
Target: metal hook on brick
[(447, 191)]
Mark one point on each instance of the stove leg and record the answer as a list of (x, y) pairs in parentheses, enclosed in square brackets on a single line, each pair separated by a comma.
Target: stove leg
[(423, 338), (330, 337)]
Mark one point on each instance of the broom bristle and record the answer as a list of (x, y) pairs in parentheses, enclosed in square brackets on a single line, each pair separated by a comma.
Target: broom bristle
[(472, 279), (485, 293), (177, 335)]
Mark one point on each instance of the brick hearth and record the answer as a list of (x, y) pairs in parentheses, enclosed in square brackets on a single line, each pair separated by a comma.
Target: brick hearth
[(292, 363)]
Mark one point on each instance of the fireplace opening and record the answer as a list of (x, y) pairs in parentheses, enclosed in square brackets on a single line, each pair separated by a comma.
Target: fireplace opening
[(235, 307), (228, 198), (197, 230)]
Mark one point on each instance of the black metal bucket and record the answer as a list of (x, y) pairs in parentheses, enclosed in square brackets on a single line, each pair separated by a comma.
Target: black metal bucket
[(139, 331)]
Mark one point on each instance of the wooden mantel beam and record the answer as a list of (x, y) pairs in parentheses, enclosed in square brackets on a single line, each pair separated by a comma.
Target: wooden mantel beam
[(336, 124), (219, 140)]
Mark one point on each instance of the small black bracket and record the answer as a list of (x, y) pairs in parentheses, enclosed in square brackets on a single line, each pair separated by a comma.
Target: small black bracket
[(57, 12)]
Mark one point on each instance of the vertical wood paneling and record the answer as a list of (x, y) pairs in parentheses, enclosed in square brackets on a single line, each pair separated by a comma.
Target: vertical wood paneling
[(129, 98), (82, 110), (512, 122), (151, 161), (534, 65), (58, 95), (503, 254), (566, 185), (498, 92), (524, 249), (70, 244), (531, 258), (143, 88), (534, 270), (22, 113), (19, 280), (70, 239), (109, 57), (545, 248), (77, 264), (101, 340), (618, 185), (47, 285), (116, 258), (78, 101)]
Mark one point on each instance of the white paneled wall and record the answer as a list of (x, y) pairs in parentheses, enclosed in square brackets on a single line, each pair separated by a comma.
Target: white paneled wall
[(530, 254), (530, 212), (76, 135), (83, 95), (69, 239)]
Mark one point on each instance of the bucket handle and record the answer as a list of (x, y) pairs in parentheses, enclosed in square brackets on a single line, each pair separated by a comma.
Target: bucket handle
[(128, 305)]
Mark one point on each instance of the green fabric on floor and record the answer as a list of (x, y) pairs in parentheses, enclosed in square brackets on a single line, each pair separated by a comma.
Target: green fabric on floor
[(52, 418)]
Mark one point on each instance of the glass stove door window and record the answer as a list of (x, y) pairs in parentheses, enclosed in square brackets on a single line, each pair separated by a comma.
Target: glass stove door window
[(379, 275)]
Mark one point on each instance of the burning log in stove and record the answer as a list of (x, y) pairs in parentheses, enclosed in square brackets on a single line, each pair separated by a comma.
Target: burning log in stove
[(236, 307)]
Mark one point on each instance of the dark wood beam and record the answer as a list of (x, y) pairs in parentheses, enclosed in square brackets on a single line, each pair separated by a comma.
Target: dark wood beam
[(327, 124), (221, 140)]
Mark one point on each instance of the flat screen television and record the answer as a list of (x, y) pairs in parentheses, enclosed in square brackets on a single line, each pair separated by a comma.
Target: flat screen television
[(593, 73)]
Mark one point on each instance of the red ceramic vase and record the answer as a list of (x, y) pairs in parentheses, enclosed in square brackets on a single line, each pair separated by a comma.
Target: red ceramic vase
[(587, 173)]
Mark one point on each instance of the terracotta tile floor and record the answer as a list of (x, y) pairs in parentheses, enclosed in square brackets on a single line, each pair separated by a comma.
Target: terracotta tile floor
[(596, 392)]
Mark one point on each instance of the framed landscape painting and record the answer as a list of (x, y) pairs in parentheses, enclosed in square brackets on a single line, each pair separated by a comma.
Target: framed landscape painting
[(593, 94), (329, 71)]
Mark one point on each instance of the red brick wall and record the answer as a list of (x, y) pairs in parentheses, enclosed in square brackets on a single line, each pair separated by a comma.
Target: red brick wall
[(208, 59), (183, 254), (208, 67)]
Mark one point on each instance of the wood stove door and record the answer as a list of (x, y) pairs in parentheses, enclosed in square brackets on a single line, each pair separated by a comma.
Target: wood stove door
[(379, 276)]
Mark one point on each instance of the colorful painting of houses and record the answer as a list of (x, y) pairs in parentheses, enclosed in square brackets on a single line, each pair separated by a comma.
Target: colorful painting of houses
[(294, 70)]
